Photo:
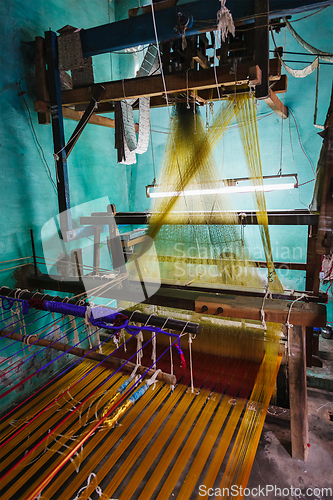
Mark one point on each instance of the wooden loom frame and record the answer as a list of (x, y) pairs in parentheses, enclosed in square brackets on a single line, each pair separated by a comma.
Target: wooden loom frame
[(304, 316)]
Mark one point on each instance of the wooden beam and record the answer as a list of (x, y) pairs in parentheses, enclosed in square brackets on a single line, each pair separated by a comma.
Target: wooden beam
[(276, 310), (202, 60), (280, 86), (276, 105), (261, 21), (325, 225), (203, 96), (312, 283), (298, 217), (125, 366), (71, 114), (233, 305), (313, 261), (99, 91), (42, 93), (153, 85), (297, 392)]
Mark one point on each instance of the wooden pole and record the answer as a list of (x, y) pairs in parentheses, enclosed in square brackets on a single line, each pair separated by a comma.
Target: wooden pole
[(126, 366), (297, 392)]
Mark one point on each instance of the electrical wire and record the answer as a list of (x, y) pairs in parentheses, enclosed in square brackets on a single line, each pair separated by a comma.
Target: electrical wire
[(307, 182), (300, 142)]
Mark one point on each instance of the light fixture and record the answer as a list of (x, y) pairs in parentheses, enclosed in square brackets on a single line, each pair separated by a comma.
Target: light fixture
[(230, 186)]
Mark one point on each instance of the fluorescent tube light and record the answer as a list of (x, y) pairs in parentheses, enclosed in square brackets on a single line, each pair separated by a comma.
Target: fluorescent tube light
[(236, 187)]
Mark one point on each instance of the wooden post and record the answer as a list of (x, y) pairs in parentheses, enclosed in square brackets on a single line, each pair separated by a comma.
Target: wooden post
[(42, 92), (262, 46), (312, 283), (276, 105), (325, 224), (297, 392), (313, 262), (97, 250)]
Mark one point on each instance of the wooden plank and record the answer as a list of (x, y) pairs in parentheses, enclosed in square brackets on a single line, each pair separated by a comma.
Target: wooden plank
[(202, 60), (280, 86), (276, 310), (276, 105), (325, 225), (153, 85), (132, 242), (297, 393), (313, 260), (42, 93), (103, 121), (71, 114), (234, 306)]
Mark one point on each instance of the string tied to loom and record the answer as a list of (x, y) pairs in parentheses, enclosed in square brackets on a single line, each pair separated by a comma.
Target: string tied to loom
[(87, 316), (287, 323), (140, 392), (152, 380), (98, 490), (7, 303), (123, 386), (262, 312)]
